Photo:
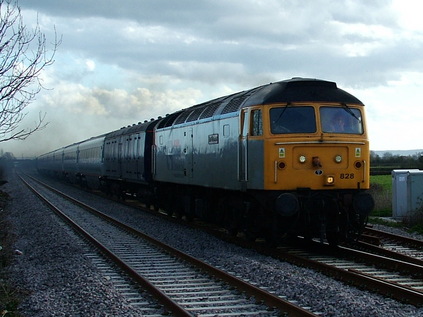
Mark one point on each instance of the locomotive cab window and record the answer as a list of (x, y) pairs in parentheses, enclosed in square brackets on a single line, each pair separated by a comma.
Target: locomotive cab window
[(341, 120), (292, 119)]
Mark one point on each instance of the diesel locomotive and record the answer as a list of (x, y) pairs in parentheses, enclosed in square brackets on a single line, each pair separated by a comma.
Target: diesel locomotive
[(282, 159)]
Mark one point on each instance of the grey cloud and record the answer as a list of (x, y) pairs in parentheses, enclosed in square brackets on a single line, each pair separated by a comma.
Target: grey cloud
[(286, 36)]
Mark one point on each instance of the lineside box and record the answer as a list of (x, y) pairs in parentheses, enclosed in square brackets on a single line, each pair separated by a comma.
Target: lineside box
[(407, 191)]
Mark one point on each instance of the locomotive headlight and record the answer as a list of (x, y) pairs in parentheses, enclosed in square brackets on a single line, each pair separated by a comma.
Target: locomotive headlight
[(330, 180), (302, 159), (338, 159)]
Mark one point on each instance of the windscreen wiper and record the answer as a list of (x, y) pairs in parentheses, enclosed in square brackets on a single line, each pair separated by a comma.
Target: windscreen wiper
[(283, 111), (348, 109)]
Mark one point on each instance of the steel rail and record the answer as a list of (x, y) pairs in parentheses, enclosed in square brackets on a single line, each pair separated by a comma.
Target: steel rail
[(388, 253), (353, 277), (266, 297), (162, 297), (386, 235), (403, 265)]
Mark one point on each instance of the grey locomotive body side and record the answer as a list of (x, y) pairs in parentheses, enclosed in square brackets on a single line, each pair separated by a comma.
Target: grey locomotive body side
[(205, 153)]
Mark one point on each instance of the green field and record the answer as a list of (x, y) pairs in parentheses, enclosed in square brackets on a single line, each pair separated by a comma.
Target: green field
[(381, 189), (382, 180)]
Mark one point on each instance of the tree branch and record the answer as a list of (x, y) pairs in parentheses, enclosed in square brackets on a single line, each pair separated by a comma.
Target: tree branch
[(23, 56)]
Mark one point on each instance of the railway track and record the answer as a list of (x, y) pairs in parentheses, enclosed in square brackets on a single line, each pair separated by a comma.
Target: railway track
[(394, 278), (184, 285), (395, 271), (392, 245)]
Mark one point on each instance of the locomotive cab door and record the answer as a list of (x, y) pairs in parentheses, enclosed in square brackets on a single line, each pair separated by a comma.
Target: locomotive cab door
[(243, 146)]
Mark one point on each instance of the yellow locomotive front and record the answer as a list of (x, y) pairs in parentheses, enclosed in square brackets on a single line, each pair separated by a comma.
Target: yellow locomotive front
[(317, 159), (317, 147)]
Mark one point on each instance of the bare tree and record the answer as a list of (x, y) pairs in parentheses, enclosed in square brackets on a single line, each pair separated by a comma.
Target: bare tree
[(23, 55)]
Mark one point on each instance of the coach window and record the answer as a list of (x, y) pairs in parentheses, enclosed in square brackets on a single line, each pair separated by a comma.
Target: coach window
[(256, 123)]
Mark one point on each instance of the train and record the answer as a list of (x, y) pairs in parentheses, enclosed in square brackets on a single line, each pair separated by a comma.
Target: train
[(284, 159)]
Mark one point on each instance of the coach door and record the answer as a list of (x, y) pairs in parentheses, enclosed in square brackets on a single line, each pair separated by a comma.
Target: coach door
[(188, 152), (120, 157), (243, 146), (137, 156)]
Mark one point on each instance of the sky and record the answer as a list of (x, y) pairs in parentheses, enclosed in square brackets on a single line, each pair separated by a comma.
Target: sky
[(123, 62)]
